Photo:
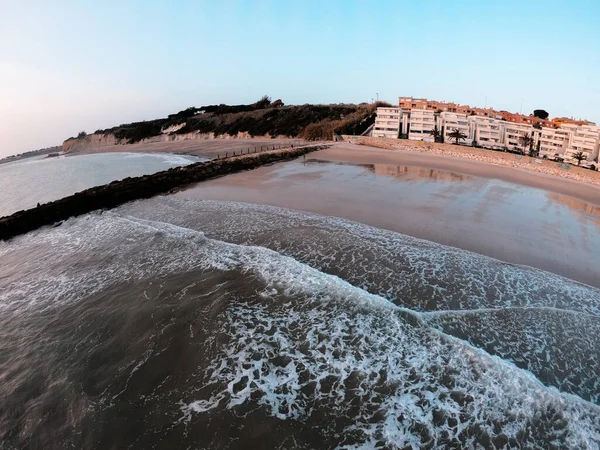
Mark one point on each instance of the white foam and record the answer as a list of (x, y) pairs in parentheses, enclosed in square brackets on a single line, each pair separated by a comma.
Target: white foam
[(414, 362), (331, 334), (170, 159)]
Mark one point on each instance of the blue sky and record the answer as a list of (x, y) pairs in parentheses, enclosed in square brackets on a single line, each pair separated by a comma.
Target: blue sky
[(71, 66)]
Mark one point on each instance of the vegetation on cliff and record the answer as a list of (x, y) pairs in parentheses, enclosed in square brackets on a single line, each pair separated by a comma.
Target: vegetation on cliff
[(264, 117), (29, 154)]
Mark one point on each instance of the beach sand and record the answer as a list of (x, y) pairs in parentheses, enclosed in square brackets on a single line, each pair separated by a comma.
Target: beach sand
[(515, 215), (206, 148)]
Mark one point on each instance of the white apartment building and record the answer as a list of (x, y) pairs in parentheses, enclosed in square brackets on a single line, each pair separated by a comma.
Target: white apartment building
[(421, 124), (455, 121), (586, 139), (489, 132), (387, 123), (511, 132), (486, 132), (553, 142)]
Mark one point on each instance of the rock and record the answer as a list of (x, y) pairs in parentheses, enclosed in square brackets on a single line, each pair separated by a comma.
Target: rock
[(129, 189)]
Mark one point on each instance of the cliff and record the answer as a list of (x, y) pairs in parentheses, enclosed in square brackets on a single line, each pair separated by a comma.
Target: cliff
[(261, 119)]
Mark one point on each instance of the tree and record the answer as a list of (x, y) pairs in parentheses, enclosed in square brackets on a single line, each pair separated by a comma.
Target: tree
[(263, 103), (435, 133), (540, 114), (579, 156), (457, 135), (526, 141), (82, 134)]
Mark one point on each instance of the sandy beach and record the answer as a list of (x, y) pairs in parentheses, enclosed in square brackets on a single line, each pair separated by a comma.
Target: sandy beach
[(511, 214), (521, 175), (538, 165), (205, 148)]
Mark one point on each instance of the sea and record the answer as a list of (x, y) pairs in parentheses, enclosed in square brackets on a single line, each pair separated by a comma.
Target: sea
[(198, 324), (27, 182)]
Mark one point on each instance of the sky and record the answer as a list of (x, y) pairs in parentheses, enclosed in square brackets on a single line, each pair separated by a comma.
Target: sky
[(70, 66)]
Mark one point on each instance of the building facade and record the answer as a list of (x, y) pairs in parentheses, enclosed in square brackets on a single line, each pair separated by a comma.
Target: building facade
[(455, 121), (511, 134), (585, 139), (387, 123), (553, 142), (409, 103), (421, 124), (486, 132), (562, 140)]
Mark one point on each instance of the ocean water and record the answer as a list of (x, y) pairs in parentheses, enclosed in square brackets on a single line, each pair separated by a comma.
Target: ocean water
[(25, 183), (178, 323)]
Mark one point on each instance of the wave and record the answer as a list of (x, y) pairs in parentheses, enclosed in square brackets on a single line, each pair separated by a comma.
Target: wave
[(170, 159), (410, 272), (312, 347)]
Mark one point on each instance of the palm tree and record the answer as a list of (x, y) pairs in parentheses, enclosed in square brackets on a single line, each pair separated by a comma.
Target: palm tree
[(457, 135), (526, 141), (579, 156), (435, 133)]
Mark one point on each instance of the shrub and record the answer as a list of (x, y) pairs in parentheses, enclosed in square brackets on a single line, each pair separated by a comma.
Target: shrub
[(318, 132)]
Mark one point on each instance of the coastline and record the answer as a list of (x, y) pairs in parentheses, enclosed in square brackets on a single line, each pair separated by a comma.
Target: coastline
[(441, 161), (110, 195), (506, 166), (206, 148), (497, 158), (473, 206)]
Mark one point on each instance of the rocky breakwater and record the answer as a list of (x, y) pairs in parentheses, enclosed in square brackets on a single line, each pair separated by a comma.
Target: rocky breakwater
[(128, 189)]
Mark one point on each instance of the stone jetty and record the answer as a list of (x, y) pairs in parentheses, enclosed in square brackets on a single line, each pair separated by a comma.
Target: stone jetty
[(129, 189)]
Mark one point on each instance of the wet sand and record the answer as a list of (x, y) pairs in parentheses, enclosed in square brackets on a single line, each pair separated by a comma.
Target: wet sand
[(496, 158), (506, 213), (353, 153)]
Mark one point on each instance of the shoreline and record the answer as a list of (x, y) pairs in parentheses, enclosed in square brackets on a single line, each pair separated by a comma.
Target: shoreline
[(439, 199), (206, 148), (512, 168), (116, 193), (502, 159), (363, 154)]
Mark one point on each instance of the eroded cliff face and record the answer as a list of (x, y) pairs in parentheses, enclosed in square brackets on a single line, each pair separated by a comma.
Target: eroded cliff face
[(89, 141), (104, 140)]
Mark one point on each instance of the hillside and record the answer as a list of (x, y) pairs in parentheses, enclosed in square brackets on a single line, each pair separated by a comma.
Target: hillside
[(29, 154), (260, 119)]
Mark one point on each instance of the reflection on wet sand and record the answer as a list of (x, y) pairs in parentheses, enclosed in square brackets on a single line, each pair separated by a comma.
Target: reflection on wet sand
[(411, 173), (586, 210), (404, 173), (508, 221)]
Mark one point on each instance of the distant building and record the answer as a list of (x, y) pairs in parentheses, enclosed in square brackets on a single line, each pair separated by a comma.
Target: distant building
[(455, 121), (560, 121), (512, 132), (387, 123), (554, 141), (409, 103), (416, 119), (585, 139), (421, 124), (486, 132)]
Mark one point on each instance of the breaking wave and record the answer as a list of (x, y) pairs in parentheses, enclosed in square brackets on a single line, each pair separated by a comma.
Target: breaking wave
[(175, 323)]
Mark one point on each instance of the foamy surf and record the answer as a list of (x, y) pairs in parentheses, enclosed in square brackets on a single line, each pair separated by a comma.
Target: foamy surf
[(203, 340)]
